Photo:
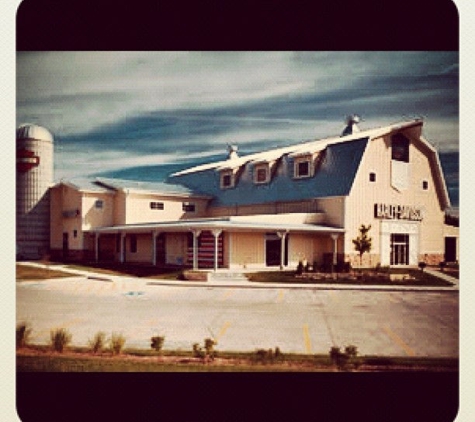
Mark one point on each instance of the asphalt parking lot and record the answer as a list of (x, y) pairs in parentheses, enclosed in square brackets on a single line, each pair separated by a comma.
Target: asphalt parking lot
[(306, 320)]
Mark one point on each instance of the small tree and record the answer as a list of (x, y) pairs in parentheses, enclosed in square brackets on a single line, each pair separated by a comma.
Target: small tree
[(363, 242)]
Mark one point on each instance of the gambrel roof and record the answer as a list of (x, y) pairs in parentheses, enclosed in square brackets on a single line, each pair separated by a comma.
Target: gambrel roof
[(335, 170)]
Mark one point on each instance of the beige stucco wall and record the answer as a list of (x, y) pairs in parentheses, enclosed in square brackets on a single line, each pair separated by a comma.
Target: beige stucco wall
[(97, 217), (64, 198), (364, 194), (247, 250), (137, 208)]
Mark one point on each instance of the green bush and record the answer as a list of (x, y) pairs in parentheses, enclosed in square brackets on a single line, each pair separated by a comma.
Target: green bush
[(97, 343), (23, 331), (116, 343), (422, 265), (60, 338), (157, 343)]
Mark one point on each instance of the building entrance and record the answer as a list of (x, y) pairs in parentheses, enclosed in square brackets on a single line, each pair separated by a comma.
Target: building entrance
[(273, 250), (161, 249), (399, 249)]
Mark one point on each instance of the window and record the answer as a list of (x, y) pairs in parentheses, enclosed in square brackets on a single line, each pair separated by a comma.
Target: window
[(425, 185), (133, 243), (227, 179), (261, 173), (157, 205), (372, 177), (99, 204), (188, 207), (302, 168), (75, 233), (400, 148)]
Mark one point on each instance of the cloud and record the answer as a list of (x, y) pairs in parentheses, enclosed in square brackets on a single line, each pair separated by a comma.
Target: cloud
[(141, 104)]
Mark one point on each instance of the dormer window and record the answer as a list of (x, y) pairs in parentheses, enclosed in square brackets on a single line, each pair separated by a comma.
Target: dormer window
[(303, 167), (227, 179), (261, 173)]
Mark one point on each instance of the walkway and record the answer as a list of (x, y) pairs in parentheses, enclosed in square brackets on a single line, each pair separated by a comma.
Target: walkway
[(223, 279)]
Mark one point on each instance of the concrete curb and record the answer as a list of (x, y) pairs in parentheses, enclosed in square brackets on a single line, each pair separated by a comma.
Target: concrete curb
[(256, 285)]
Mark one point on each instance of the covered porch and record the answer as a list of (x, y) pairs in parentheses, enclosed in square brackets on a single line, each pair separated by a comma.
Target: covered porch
[(229, 243)]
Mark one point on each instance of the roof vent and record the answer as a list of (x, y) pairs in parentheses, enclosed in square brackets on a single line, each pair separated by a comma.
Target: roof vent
[(232, 152), (351, 125)]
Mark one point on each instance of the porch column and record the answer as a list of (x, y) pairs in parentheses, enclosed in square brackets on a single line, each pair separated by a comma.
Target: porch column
[(154, 247), (282, 236), (97, 246), (335, 249), (216, 233), (196, 234), (122, 248)]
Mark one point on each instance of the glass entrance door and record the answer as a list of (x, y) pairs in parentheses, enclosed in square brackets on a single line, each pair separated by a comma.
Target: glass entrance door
[(399, 249)]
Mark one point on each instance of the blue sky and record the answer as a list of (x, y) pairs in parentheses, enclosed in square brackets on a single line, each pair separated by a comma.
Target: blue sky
[(113, 110)]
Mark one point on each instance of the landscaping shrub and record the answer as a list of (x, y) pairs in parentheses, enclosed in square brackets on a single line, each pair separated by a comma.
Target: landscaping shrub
[(422, 265), (209, 348), (442, 265), (347, 359), (98, 342), (60, 338), (265, 356), (208, 352), (157, 343), (116, 343), (23, 331), (198, 351), (300, 268)]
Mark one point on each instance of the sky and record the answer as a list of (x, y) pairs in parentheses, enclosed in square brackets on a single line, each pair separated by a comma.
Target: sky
[(114, 110)]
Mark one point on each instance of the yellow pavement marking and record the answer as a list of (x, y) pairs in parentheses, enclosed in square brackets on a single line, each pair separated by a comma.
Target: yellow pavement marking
[(223, 330), (306, 337), (333, 296), (399, 341), (280, 298)]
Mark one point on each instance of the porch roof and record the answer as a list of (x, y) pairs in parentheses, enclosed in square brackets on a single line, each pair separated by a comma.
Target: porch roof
[(224, 223)]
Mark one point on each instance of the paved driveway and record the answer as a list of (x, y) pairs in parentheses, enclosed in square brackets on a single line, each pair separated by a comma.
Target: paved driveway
[(306, 320)]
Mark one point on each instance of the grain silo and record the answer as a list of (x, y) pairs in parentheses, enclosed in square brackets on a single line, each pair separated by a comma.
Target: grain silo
[(34, 176)]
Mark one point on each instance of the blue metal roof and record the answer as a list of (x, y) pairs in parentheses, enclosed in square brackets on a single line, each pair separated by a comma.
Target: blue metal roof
[(334, 176)]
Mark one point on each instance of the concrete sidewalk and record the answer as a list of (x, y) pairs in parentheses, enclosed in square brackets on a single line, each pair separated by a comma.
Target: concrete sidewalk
[(225, 281)]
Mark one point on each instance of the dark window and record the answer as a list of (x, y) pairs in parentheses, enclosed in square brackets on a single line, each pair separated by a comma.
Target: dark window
[(425, 184), (75, 233), (188, 207), (157, 205), (133, 243), (372, 177), (99, 204), (400, 148), (261, 175), (226, 181), (303, 169)]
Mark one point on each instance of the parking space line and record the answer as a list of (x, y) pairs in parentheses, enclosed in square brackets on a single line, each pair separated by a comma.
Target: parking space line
[(398, 340), (226, 325), (280, 298), (306, 337)]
